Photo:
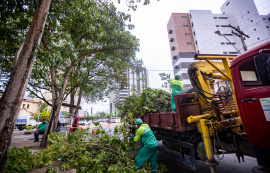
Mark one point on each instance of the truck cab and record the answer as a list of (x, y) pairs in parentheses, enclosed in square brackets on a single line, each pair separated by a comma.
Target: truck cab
[(251, 81)]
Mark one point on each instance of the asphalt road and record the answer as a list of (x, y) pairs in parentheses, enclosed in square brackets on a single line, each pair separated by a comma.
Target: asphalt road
[(229, 164)]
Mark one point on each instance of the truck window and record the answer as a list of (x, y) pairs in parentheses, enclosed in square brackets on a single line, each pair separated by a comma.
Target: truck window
[(249, 75)]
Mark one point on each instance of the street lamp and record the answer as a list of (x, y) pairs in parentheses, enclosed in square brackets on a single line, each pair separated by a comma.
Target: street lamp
[(218, 33)]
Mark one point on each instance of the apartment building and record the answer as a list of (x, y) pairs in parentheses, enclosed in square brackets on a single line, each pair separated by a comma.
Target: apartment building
[(202, 32)]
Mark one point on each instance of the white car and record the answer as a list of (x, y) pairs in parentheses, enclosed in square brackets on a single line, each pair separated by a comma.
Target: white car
[(84, 122)]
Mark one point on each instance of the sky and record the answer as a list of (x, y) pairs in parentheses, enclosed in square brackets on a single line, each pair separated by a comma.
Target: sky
[(151, 29)]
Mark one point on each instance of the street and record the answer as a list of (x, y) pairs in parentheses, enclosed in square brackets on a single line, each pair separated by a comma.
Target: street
[(229, 164)]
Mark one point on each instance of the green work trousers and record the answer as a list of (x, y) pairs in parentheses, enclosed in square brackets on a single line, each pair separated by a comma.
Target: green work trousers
[(172, 102), (145, 154)]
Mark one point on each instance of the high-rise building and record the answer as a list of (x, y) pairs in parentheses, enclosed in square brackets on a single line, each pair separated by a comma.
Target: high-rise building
[(201, 31), (137, 82)]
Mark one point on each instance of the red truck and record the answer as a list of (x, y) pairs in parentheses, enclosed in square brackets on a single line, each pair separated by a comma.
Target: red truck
[(233, 119)]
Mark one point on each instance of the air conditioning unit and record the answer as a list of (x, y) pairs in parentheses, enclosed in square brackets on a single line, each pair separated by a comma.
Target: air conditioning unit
[(171, 40), (174, 57), (173, 48), (170, 31), (176, 67)]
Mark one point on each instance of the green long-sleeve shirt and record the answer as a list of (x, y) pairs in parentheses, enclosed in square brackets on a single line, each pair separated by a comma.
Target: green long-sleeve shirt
[(146, 135)]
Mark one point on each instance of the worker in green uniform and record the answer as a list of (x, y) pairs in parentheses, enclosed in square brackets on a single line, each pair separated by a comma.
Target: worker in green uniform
[(177, 87), (150, 146)]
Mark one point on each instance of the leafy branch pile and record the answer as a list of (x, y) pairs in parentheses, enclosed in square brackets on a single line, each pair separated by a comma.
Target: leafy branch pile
[(150, 101), (83, 151)]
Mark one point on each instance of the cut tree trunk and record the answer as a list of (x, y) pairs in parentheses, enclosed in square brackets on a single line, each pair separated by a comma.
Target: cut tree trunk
[(12, 98)]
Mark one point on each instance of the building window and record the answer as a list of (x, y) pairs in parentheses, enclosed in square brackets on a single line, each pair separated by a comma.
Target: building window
[(23, 105), (174, 57), (188, 33), (170, 31), (190, 43), (217, 26), (222, 17), (196, 42), (194, 33), (215, 17), (192, 24), (267, 26), (173, 48), (198, 51), (258, 38), (186, 25), (254, 29), (251, 20), (224, 25), (227, 3), (187, 43), (185, 33), (224, 52), (263, 18), (171, 40), (222, 43), (190, 15), (248, 12), (28, 106), (176, 66)]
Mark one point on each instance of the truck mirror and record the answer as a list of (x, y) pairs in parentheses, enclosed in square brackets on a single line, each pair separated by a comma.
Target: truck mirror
[(262, 63)]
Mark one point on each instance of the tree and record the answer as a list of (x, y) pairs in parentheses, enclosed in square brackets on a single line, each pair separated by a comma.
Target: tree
[(42, 115), (22, 65), (100, 115), (90, 33), (166, 78), (109, 115)]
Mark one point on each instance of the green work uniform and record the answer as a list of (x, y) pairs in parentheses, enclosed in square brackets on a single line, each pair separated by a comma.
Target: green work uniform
[(149, 149), (177, 87), (41, 127)]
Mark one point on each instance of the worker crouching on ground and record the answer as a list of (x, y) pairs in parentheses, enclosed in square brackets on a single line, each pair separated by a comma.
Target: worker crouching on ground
[(177, 87), (150, 146)]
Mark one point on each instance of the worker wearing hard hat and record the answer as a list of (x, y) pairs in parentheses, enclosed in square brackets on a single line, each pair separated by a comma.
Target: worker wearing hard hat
[(177, 87), (150, 146)]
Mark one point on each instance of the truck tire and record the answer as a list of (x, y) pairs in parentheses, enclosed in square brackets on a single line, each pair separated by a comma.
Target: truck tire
[(20, 128)]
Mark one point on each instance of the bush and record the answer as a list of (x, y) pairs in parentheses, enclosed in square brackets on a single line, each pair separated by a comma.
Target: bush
[(83, 151), (150, 101), (43, 115)]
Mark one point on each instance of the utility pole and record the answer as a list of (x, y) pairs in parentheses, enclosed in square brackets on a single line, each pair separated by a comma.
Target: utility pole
[(241, 35)]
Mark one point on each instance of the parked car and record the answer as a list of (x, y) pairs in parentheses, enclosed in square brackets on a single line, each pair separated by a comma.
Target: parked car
[(84, 122), (23, 121)]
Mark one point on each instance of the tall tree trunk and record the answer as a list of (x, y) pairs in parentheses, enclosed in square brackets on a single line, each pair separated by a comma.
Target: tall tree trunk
[(12, 98), (56, 106), (79, 101), (72, 99)]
